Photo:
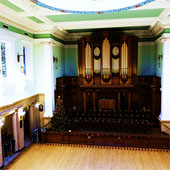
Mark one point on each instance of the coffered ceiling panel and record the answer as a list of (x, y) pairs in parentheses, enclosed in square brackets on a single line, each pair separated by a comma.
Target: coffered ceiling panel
[(147, 20)]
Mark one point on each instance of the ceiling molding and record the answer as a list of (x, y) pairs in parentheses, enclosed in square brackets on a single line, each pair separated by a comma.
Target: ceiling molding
[(15, 24), (157, 28), (76, 36), (153, 17), (32, 10), (59, 33), (107, 23)]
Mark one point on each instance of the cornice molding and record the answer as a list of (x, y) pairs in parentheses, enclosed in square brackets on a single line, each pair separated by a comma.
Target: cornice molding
[(11, 22), (157, 28), (59, 33), (111, 23), (48, 41), (76, 36)]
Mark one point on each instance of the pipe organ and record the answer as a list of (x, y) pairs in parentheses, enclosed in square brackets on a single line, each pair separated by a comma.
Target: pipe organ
[(108, 58), (107, 76)]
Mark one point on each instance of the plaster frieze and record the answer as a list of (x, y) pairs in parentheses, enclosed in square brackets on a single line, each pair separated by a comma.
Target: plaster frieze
[(113, 23), (49, 42), (76, 36), (60, 33), (11, 22)]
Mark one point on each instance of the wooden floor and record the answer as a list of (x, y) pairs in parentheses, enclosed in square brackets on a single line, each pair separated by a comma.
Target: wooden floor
[(82, 157)]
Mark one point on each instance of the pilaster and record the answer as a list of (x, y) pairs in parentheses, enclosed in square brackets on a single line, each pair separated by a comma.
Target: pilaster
[(1, 157), (165, 95)]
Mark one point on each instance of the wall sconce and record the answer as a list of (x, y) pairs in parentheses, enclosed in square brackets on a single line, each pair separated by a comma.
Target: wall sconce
[(55, 61), (18, 57), (159, 60), (22, 69)]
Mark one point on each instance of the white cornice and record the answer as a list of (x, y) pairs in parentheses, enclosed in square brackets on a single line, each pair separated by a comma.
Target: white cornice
[(157, 28), (58, 29), (112, 23), (59, 33), (33, 10), (76, 36), (14, 24), (48, 41)]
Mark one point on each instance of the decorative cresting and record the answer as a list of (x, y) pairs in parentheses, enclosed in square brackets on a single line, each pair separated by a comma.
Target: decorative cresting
[(90, 6), (124, 62), (88, 62), (106, 60)]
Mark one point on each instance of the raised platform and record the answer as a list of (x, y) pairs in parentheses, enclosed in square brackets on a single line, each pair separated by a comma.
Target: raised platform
[(165, 126), (108, 139)]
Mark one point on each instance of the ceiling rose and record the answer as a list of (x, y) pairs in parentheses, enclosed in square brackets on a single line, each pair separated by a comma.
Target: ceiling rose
[(90, 6)]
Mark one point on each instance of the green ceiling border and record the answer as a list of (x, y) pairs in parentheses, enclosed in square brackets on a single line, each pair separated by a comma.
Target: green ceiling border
[(11, 5), (167, 30), (120, 15), (16, 30), (40, 36), (35, 19)]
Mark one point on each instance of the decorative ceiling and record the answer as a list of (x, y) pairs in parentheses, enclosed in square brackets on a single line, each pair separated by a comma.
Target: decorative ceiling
[(145, 20), (90, 6)]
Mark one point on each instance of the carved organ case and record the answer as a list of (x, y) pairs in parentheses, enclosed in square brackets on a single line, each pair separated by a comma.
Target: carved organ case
[(108, 57)]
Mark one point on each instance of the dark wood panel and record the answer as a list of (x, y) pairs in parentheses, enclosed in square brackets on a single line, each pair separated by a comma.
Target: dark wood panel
[(107, 104), (161, 142), (143, 94)]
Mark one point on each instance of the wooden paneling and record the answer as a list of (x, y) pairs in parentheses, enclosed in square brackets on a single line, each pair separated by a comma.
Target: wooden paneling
[(144, 93), (153, 141), (107, 104)]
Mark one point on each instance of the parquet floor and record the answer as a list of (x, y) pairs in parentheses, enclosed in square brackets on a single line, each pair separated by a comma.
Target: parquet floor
[(82, 157)]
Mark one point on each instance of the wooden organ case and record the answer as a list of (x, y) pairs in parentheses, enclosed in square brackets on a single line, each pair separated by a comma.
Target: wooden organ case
[(107, 76), (107, 63)]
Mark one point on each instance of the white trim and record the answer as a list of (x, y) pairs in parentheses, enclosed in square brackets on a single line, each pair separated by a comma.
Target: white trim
[(48, 40), (107, 23)]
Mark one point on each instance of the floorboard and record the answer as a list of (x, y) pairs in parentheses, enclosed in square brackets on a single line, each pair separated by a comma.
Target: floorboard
[(83, 157)]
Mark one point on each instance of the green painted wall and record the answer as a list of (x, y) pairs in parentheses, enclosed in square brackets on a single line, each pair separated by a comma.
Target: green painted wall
[(159, 51), (58, 52), (38, 67), (146, 59), (71, 60)]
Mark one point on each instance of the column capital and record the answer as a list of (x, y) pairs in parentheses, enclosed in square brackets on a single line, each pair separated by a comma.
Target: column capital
[(165, 37), (51, 44)]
